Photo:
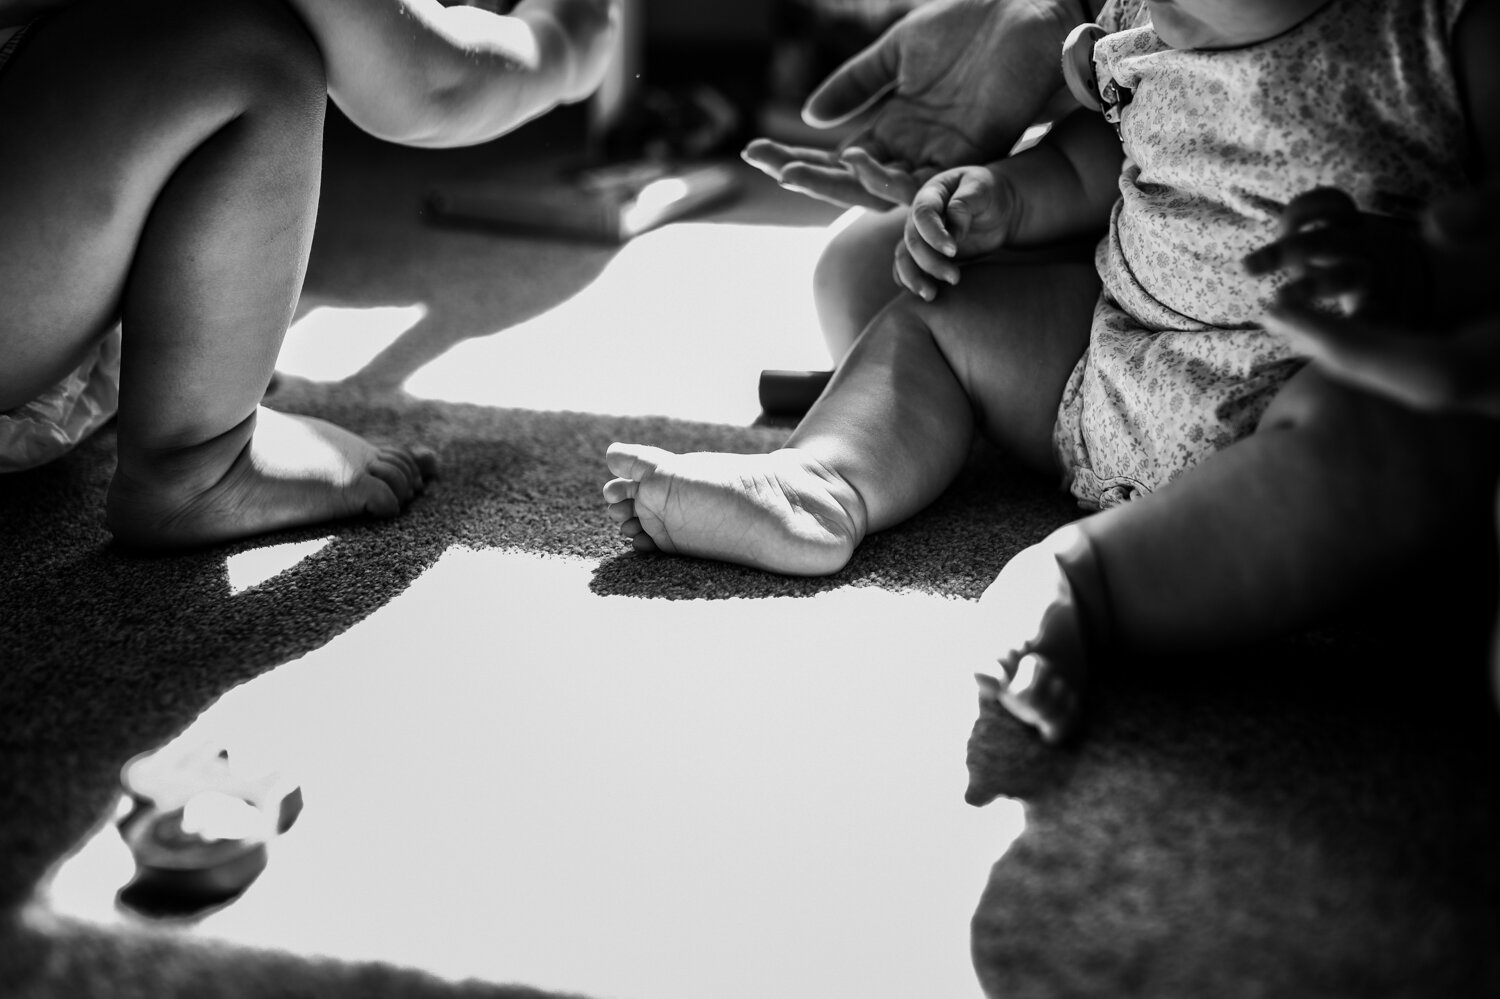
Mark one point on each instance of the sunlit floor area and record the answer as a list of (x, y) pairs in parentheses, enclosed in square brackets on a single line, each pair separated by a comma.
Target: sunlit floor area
[(534, 763), (527, 782), (510, 777), (677, 323)]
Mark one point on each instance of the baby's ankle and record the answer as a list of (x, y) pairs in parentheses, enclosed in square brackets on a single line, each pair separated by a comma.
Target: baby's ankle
[(1080, 564), (841, 487), (183, 464)]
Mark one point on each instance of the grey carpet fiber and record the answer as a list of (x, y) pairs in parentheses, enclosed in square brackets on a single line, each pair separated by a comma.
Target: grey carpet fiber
[(1318, 817), (1304, 819)]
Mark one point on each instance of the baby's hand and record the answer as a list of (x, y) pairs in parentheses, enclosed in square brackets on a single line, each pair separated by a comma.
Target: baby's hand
[(1459, 372), (961, 212), (1424, 362), (1362, 265)]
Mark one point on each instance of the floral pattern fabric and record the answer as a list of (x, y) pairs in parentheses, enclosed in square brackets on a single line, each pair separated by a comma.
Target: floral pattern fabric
[(1361, 96)]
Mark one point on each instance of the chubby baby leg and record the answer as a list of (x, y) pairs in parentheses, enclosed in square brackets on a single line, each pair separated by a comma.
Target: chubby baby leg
[(198, 133), (1337, 496), (890, 433), (274, 470), (1038, 622), (853, 281), (785, 511)]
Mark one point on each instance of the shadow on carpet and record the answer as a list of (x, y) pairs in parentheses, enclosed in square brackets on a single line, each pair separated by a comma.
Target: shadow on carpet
[(1316, 817)]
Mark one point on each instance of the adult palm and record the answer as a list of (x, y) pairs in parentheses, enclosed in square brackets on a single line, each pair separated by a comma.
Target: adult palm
[(952, 82)]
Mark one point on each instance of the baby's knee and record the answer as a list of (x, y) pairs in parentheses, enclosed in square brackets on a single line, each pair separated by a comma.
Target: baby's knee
[(1317, 408), (852, 279), (857, 241), (1457, 456)]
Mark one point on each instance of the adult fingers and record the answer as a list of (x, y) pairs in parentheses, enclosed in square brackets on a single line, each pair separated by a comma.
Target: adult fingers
[(817, 173), (883, 180), (837, 186), (856, 85), (772, 157)]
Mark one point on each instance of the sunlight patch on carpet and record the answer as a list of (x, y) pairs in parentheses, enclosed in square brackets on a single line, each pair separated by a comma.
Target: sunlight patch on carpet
[(248, 569), (510, 777), (331, 343), (739, 300)]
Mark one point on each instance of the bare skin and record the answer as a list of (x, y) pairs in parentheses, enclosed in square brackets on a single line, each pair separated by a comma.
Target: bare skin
[(1443, 359), (179, 191), (898, 402), (170, 183), (890, 433), (954, 81), (783, 511), (1130, 578), (1368, 495)]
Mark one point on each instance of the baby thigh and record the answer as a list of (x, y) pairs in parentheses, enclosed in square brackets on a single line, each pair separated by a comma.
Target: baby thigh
[(853, 280), (1418, 486), (1012, 332), (1335, 497), (99, 110)]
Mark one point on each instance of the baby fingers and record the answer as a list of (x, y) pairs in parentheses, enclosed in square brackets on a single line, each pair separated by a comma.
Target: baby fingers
[(1322, 206), (926, 241), (1346, 285), (911, 277), (1340, 246)]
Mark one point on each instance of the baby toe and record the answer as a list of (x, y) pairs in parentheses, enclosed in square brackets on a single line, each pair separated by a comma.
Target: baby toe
[(401, 459), (619, 490), (622, 511), (633, 461), (399, 479), (427, 461), (374, 496)]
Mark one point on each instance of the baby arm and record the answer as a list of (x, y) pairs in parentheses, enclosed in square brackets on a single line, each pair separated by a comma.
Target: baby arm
[(1059, 189), (421, 74), (1437, 346), (1436, 350)]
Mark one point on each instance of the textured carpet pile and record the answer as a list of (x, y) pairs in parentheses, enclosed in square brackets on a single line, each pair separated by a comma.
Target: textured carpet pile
[(1304, 819), (1318, 817)]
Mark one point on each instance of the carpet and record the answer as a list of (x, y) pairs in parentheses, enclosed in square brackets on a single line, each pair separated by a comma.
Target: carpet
[(1314, 817)]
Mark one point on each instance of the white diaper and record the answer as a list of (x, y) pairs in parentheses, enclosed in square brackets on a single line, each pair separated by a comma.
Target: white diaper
[(51, 425)]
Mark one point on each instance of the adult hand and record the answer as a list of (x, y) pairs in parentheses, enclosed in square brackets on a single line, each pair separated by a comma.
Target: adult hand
[(951, 83)]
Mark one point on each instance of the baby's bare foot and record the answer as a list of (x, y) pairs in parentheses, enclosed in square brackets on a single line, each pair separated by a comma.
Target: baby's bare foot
[(783, 511), (1032, 625), (273, 471)]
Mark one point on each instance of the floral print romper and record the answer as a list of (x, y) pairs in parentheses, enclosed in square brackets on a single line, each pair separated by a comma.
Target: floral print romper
[(1361, 96)]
